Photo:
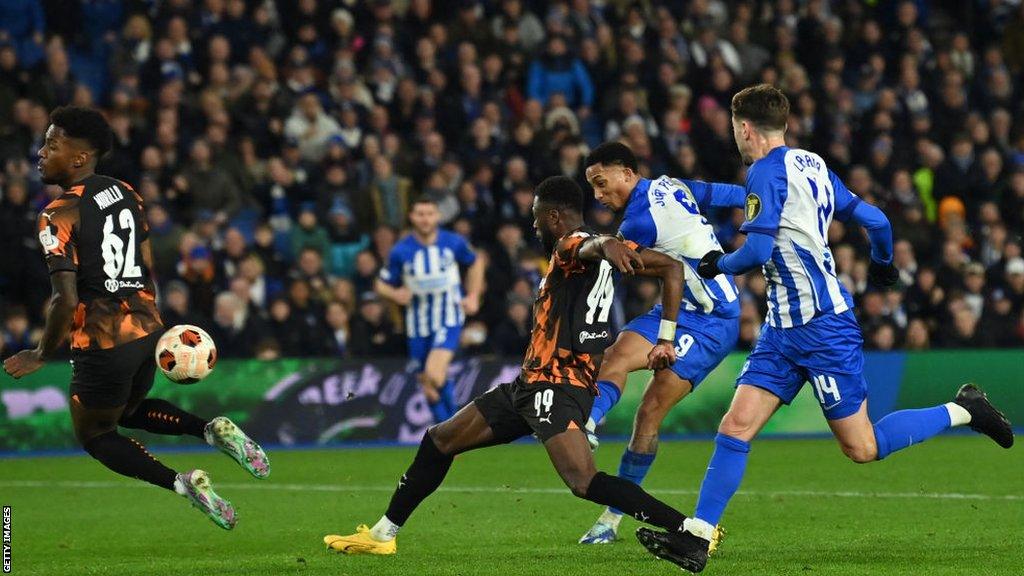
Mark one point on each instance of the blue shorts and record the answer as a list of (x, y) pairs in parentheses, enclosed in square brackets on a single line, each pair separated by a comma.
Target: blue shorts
[(826, 352), (702, 341), (420, 346)]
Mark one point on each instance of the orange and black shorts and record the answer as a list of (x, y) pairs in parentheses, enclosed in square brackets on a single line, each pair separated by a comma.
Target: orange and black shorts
[(517, 409), (109, 377)]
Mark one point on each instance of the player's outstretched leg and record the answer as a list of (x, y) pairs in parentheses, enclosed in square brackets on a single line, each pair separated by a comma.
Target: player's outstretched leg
[(161, 417), (96, 430), (664, 391), (571, 456), (627, 354), (466, 430), (750, 410), (905, 428), (195, 485)]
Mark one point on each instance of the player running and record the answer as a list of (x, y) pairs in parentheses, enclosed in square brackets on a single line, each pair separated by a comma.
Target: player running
[(664, 214), (422, 274), (811, 333), (94, 237), (552, 396)]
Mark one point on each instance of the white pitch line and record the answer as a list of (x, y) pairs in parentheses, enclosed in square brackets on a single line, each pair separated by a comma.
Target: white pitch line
[(277, 487)]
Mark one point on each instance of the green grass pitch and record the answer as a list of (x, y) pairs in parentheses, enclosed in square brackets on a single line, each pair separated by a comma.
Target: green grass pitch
[(952, 506)]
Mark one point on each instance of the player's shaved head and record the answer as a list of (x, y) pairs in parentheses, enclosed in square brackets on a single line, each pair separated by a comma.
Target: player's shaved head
[(557, 209), (560, 193)]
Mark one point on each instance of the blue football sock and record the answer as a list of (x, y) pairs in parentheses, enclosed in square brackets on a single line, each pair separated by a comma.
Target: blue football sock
[(725, 472), (634, 467), (908, 427), (609, 396), (448, 397)]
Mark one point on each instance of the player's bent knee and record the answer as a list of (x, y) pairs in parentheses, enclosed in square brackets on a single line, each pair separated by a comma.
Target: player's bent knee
[(737, 425), (85, 433), (578, 482), (861, 454), (443, 437)]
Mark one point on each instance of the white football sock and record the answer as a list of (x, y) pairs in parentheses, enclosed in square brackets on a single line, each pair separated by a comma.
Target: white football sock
[(384, 530), (179, 486), (699, 528), (609, 518), (958, 415)]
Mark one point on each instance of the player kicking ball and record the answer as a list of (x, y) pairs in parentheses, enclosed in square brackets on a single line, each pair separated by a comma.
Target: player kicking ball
[(553, 394), (664, 214), (94, 237), (811, 333)]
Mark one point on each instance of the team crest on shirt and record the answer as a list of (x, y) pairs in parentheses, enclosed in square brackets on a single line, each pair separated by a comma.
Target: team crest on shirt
[(753, 206), (48, 238)]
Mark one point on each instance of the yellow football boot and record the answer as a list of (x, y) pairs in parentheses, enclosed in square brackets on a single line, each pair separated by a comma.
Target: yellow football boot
[(359, 543)]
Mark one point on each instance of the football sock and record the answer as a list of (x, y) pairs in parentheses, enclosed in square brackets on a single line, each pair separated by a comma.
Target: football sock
[(608, 397), (905, 428), (610, 518), (624, 495), (634, 467), (424, 475), (448, 398), (958, 415), (127, 457), (162, 417), (384, 530), (723, 477)]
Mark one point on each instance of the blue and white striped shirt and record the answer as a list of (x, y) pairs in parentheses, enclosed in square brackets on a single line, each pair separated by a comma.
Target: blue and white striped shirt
[(665, 215), (432, 274), (793, 196)]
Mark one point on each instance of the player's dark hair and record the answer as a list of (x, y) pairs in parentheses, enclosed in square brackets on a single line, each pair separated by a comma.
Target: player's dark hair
[(763, 105), (424, 199), (560, 192), (86, 124), (612, 154)]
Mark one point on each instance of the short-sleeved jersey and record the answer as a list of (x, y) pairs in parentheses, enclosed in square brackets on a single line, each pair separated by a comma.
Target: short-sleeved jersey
[(793, 196), (432, 274), (571, 317), (665, 215), (96, 229)]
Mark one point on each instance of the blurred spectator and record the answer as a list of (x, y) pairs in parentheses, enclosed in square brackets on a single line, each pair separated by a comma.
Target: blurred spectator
[(280, 143), (17, 335), (235, 330), (176, 307), (373, 335), (512, 336)]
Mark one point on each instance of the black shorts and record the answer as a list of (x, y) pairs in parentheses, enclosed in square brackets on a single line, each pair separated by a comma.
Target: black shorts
[(108, 378), (516, 409)]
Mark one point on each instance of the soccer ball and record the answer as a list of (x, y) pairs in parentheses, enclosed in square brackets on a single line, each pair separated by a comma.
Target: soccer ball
[(186, 354)]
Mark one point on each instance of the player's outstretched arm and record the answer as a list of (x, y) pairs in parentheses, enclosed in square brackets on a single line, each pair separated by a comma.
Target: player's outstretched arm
[(670, 271), (618, 253), (881, 271), (59, 313), (754, 253), (716, 194)]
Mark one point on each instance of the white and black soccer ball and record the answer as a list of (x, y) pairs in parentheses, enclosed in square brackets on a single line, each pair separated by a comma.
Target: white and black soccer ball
[(186, 354)]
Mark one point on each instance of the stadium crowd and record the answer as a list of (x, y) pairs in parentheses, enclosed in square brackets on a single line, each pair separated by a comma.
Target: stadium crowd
[(278, 146)]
